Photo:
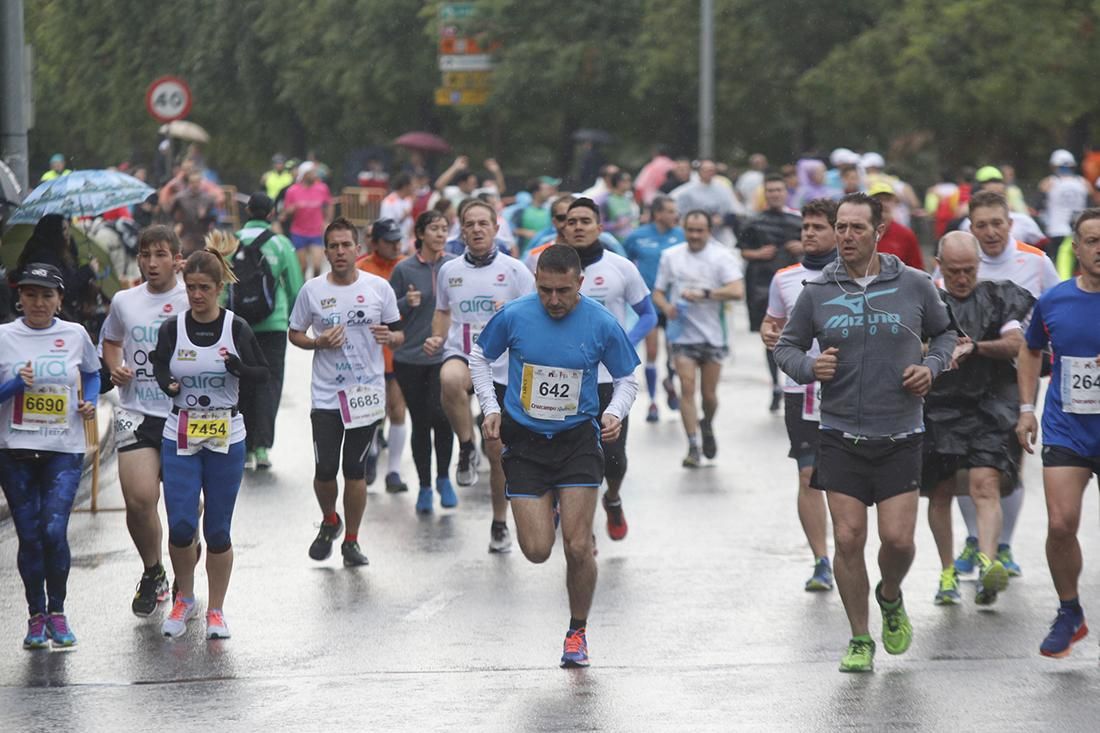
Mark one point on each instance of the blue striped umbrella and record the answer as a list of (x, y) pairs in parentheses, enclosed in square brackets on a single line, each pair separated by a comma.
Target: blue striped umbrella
[(81, 193)]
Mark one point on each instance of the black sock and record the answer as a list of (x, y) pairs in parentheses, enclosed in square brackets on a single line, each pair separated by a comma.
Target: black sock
[(1073, 604), (466, 445), (497, 524), (577, 623)]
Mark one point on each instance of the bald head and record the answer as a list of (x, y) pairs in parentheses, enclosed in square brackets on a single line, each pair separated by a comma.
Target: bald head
[(958, 261), (958, 244)]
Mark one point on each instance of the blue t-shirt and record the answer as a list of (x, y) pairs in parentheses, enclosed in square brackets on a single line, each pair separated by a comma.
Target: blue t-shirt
[(587, 336), (645, 245), (1066, 317)]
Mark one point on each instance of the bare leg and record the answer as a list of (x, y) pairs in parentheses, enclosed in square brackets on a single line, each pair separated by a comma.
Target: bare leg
[(497, 480), (940, 521), (812, 513), (326, 492), (455, 383), (219, 566), (897, 523), (578, 508), (710, 373), (355, 504), (139, 475), (689, 412), (535, 531), (985, 490), (1064, 487), (849, 538)]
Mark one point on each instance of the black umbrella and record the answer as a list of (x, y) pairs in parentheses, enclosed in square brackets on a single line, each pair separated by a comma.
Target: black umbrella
[(589, 135)]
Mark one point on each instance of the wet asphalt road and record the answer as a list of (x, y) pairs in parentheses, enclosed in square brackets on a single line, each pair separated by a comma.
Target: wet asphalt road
[(700, 621)]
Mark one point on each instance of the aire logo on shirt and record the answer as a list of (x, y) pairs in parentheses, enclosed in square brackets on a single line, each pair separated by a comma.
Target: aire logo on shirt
[(480, 304), (186, 355), (47, 365)]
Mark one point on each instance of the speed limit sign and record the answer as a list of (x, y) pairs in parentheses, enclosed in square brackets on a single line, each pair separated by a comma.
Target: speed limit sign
[(168, 98)]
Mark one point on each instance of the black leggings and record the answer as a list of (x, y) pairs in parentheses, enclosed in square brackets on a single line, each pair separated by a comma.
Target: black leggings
[(420, 385)]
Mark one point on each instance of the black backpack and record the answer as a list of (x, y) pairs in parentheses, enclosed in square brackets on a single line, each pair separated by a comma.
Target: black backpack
[(252, 297)]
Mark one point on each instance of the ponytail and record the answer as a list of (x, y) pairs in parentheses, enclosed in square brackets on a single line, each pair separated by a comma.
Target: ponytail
[(213, 260)]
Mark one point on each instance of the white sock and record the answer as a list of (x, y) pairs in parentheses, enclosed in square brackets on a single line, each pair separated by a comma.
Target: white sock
[(970, 515), (1010, 509), (395, 447)]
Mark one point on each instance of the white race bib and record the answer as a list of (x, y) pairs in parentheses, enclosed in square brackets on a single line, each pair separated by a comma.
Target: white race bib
[(811, 402), (362, 405), (550, 393), (200, 429), (470, 334), (42, 406), (1080, 385), (126, 423)]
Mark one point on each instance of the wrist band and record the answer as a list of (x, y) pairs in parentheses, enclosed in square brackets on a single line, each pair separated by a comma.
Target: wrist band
[(1027, 408)]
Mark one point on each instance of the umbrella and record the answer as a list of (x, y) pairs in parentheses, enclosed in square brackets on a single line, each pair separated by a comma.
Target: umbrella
[(16, 238), (185, 130), (10, 191), (425, 141), (81, 193), (588, 135)]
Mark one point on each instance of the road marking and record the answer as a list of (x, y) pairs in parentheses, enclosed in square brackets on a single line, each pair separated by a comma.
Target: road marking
[(432, 606)]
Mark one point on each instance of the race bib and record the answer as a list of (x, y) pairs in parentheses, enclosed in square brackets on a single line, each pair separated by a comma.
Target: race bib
[(550, 393), (126, 423), (362, 405), (1080, 385), (811, 403), (42, 406), (200, 429), (470, 334)]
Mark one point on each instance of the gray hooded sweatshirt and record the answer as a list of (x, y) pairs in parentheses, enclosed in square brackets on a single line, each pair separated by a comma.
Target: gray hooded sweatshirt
[(876, 333)]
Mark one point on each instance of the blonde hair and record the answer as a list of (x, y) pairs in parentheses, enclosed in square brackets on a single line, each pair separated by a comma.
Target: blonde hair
[(213, 260)]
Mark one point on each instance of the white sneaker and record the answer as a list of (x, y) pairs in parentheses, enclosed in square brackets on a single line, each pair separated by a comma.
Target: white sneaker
[(468, 476), (500, 539), (216, 627), (176, 624)]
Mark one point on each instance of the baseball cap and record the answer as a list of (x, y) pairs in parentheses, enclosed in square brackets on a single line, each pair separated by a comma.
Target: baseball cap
[(39, 273), (57, 158), (550, 180), (386, 229), (988, 173), (842, 156), (260, 204), (872, 160), (881, 188), (1063, 158)]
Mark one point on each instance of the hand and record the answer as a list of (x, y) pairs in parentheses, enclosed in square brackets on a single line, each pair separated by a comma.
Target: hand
[(825, 365), (233, 364), (612, 427), (86, 410), (331, 338), (767, 252), (492, 165), (461, 162), (964, 347), (432, 345), (692, 296), (412, 297), (382, 333), (769, 333), (917, 379), (490, 427), (173, 388), (26, 373), (121, 376), (1027, 430)]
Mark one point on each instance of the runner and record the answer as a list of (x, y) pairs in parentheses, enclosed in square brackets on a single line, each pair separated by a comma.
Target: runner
[(352, 315), (694, 280), (644, 247), (548, 420), (200, 358), (129, 337), (615, 284), (413, 282), (870, 316), (469, 290), (385, 252), (45, 362), (971, 412), (802, 417), (1065, 319)]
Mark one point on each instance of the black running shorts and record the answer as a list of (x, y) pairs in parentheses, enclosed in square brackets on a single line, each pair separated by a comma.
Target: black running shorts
[(535, 464), (871, 470), (802, 433)]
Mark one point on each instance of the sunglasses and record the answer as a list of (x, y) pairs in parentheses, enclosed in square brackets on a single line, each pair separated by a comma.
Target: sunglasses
[(560, 217)]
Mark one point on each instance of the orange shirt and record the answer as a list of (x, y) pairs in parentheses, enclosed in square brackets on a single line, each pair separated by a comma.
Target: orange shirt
[(378, 265)]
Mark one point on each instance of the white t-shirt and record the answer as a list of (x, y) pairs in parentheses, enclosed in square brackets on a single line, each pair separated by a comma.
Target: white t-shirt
[(1024, 228), (702, 322), (1022, 264), (322, 305), (1067, 195), (58, 354), (400, 210), (134, 322), (615, 283), (473, 295), (783, 293)]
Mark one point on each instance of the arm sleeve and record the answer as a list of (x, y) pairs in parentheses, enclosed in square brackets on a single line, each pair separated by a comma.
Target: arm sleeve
[(664, 274), (619, 355), (647, 319), (442, 294), (397, 282), (729, 270), (112, 328), (1036, 336), (161, 357), (300, 319), (525, 281), (938, 326), (796, 339), (624, 390), (776, 307), (90, 383), (390, 313), (90, 365), (10, 388), (253, 366), (481, 374)]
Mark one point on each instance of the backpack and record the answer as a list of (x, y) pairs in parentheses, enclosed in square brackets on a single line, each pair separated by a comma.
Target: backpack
[(252, 297)]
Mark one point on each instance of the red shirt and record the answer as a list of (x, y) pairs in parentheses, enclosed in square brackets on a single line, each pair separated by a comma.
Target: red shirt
[(899, 240)]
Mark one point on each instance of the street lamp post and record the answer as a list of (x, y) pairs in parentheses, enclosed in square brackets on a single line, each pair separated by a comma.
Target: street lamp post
[(706, 78), (13, 112)]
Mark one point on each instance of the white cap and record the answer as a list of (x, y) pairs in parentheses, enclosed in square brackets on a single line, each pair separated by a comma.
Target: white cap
[(872, 160), (1062, 158), (840, 156), (305, 167)]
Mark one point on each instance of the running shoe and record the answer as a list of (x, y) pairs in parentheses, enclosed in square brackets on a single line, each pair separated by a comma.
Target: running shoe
[(468, 461), (575, 650), (710, 445), (1069, 627), (822, 579), (216, 627), (1004, 554), (425, 500), (652, 415), (897, 631), (670, 393), (322, 546), (777, 400), (500, 539), (353, 556), (176, 624), (992, 579), (616, 520), (394, 484), (151, 590), (250, 461), (968, 558), (693, 459), (948, 594), (448, 499), (57, 628), (860, 656), (36, 632), (263, 460)]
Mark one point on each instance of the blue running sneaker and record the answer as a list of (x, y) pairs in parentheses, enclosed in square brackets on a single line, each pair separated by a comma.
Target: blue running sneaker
[(36, 632), (1004, 554), (1068, 628), (57, 627), (425, 500), (448, 499), (823, 576), (968, 558), (575, 651)]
